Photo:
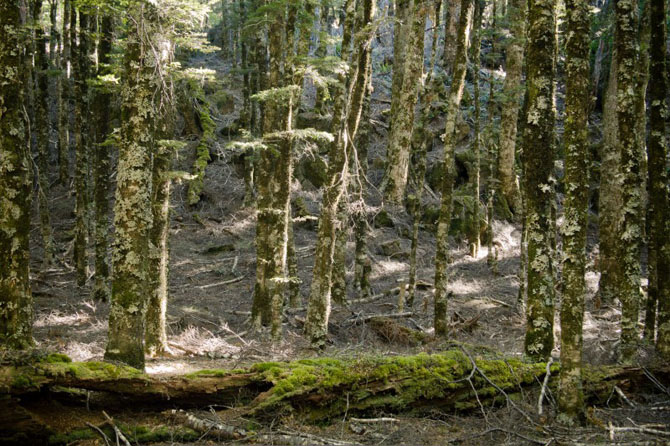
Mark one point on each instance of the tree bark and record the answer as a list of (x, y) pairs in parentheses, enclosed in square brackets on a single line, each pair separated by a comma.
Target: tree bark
[(659, 212), (631, 232), (538, 154), (64, 101), (132, 209), (16, 304), (409, 45), (576, 180)]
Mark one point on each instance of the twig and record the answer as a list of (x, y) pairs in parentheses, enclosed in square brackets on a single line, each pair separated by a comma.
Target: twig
[(388, 315), (97, 429), (225, 282), (374, 420), (641, 430), (544, 385), (117, 431), (623, 396)]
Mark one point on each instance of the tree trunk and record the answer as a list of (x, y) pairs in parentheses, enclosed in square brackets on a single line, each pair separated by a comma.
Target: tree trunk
[(42, 125), (320, 390), (610, 200), (659, 212), (16, 304), (408, 59), (64, 102), (81, 65), (538, 154), (101, 165), (511, 99), (576, 180), (444, 220), (474, 230), (132, 209), (346, 118), (631, 232), (451, 35)]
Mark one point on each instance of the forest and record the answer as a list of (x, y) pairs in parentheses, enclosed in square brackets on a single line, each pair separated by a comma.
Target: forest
[(334, 222)]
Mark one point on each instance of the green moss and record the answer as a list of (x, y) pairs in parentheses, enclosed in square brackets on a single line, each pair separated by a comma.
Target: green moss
[(53, 358), (21, 382), (72, 437)]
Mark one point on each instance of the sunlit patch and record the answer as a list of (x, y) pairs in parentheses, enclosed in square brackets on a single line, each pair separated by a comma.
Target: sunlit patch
[(387, 267), (161, 368), (56, 318), (83, 351), (201, 341)]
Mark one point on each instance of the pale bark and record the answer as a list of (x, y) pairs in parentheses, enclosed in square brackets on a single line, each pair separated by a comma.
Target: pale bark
[(64, 101)]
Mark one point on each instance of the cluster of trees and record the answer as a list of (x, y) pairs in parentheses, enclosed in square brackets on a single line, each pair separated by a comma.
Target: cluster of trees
[(276, 45)]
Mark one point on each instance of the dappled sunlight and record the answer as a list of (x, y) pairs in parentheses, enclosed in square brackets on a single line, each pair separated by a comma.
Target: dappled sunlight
[(55, 318), (198, 340)]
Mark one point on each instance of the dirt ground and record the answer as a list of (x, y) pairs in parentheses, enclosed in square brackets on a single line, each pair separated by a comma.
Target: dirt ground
[(212, 269)]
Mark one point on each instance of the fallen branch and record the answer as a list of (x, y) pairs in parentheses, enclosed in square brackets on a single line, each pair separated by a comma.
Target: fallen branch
[(225, 282)]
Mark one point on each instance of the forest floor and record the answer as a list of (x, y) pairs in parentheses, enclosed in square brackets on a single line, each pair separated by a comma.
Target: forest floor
[(212, 270)]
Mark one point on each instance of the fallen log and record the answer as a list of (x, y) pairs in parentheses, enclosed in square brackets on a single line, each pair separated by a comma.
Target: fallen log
[(315, 389)]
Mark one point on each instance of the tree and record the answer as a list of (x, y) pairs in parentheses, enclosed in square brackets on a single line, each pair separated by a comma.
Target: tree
[(100, 109), (626, 42), (538, 157), (346, 119), (132, 209), (444, 219), (659, 213), (576, 143), (509, 187), (408, 56), (64, 101), (16, 302)]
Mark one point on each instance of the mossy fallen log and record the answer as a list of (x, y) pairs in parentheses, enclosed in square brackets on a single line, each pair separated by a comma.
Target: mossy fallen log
[(322, 388)]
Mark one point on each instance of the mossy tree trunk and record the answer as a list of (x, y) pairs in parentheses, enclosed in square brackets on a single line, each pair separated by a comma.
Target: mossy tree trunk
[(576, 143), (16, 305), (538, 157), (659, 212), (81, 66), (346, 119), (101, 163), (132, 209), (408, 62), (509, 186), (453, 12), (155, 340), (202, 156), (609, 193), (444, 219), (64, 101), (42, 125), (322, 51), (626, 42)]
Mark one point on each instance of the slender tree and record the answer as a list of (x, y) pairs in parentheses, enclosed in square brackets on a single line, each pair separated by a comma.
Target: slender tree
[(444, 220), (453, 11), (16, 305), (509, 187), (64, 101), (538, 157), (575, 138), (626, 12), (474, 229), (132, 208)]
